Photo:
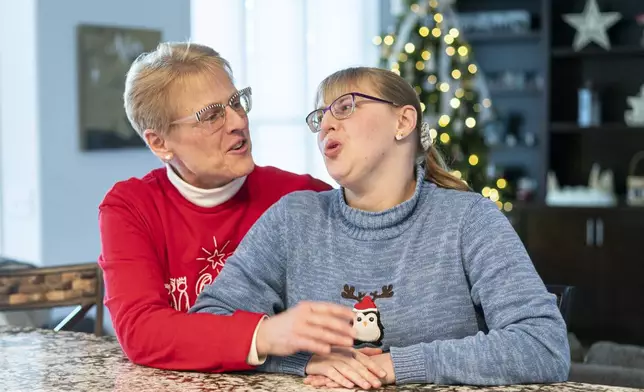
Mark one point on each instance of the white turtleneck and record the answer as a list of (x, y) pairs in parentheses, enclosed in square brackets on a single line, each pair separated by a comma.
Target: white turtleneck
[(205, 197), (211, 198)]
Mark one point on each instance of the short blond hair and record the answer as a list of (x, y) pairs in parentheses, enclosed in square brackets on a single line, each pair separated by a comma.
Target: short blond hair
[(153, 75)]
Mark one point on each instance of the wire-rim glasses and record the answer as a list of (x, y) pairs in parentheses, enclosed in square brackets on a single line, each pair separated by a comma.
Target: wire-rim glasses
[(341, 108), (214, 115)]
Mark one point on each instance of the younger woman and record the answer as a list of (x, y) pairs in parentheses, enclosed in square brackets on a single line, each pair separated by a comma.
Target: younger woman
[(435, 274)]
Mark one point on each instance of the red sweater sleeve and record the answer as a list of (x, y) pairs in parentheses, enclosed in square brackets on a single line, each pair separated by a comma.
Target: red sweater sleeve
[(149, 330)]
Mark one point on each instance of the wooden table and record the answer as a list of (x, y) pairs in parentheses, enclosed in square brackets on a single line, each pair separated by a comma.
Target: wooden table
[(42, 360)]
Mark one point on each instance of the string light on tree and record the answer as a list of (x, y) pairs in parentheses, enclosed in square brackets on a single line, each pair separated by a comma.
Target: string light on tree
[(432, 55)]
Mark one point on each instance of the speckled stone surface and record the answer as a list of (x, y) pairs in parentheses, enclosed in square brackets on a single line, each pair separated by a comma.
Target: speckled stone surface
[(40, 360)]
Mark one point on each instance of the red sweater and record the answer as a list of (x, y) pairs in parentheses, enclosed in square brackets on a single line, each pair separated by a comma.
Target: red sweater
[(158, 252)]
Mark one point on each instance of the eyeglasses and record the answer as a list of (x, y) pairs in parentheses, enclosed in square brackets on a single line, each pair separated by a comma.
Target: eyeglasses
[(214, 115), (341, 108)]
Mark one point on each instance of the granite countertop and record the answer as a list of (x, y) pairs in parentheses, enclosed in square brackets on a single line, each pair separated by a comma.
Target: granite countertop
[(42, 360)]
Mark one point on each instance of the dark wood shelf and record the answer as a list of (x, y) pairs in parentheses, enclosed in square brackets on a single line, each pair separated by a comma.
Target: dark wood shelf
[(519, 149), (503, 37), (595, 51), (513, 93), (570, 127), (537, 206)]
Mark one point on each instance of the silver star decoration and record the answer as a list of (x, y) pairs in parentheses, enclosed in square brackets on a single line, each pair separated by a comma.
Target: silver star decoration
[(635, 117), (591, 25)]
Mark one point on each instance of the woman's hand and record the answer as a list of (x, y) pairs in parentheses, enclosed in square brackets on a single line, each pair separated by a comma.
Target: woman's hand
[(381, 360), (309, 326), (347, 368)]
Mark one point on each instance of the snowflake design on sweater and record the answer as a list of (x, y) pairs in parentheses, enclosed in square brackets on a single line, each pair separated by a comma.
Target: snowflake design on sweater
[(216, 260)]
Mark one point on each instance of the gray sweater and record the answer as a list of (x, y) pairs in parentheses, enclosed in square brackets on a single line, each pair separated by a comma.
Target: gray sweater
[(441, 281)]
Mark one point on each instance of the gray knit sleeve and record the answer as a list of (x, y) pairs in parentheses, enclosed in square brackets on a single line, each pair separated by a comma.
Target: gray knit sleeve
[(254, 279), (526, 339)]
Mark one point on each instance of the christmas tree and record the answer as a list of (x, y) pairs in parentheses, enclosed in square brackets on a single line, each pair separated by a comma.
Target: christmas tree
[(427, 49)]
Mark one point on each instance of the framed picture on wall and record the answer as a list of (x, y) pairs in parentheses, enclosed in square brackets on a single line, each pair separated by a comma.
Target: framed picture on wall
[(105, 54)]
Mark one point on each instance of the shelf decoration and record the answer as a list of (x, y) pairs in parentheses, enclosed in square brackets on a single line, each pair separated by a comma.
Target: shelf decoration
[(635, 117), (635, 183), (589, 106), (600, 191), (591, 25)]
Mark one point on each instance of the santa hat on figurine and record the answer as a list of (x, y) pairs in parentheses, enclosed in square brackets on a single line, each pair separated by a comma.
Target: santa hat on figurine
[(366, 305)]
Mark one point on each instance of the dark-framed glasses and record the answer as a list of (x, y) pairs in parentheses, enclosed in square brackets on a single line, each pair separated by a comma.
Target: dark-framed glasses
[(214, 115), (341, 108)]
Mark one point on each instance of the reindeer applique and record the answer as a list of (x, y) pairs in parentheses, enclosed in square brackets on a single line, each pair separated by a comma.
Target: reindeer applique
[(367, 323)]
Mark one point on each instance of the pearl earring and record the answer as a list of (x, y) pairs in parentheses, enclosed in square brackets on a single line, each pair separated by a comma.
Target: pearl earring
[(168, 157), (399, 136)]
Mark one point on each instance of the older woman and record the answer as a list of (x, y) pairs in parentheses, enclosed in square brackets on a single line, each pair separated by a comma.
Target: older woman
[(167, 235)]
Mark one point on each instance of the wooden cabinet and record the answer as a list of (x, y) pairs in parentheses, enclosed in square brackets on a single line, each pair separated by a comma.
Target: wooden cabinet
[(600, 252)]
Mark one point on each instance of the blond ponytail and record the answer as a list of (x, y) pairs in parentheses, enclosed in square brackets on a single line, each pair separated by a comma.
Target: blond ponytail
[(437, 172)]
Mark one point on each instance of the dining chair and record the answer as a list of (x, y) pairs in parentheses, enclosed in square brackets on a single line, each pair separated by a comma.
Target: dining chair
[(564, 295)]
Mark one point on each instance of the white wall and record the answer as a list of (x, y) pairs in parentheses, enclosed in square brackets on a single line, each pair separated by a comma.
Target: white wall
[(21, 224), (50, 188), (74, 182), (284, 62)]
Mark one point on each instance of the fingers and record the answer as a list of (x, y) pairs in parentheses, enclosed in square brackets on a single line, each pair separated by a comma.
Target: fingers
[(321, 381), (331, 323), (305, 343), (358, 374), (339, 378), (371, 365), (331, 309), (369, 351), (324, 336)]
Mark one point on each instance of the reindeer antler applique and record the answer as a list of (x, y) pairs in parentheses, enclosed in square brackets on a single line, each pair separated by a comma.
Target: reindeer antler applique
[(349, 293), (387, 292)]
